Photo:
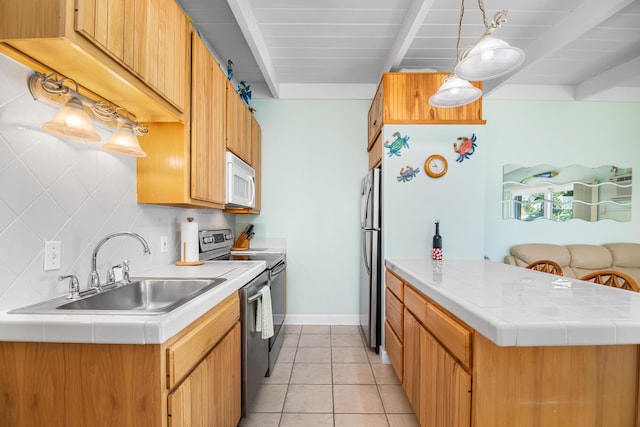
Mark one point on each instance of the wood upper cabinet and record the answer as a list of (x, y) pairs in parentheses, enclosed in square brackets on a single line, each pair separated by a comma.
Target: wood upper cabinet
[(185, 165), (147, 36), (208, 122), (403, 98), (256, 164), (375, 116), (375, 152), (131, 52), (238, 126)]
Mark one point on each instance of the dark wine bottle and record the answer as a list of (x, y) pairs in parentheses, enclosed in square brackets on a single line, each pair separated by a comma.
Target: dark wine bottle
[(436, 253)]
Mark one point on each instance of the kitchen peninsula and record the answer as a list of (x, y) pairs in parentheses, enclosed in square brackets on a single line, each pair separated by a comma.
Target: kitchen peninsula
[(488, 344)]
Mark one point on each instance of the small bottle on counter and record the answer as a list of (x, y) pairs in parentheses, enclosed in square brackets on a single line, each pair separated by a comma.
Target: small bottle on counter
[(436, 252)]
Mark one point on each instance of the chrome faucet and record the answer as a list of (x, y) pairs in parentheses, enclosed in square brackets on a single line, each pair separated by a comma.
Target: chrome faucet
[(94, 278)]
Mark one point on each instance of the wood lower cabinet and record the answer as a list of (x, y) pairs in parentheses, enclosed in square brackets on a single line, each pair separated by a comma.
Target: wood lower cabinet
[(203, 397), (394, 323), (132, 52), (435, 356), (437, 387), (454, 376), (181, 382)]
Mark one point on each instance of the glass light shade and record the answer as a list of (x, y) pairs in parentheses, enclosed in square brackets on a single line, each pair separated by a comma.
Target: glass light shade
[(488, 59), (72, 121), (124, 141), (454, 92)]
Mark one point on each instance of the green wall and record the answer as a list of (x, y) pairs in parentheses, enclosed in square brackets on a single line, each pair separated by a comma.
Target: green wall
[(558, 133), (314, 157)]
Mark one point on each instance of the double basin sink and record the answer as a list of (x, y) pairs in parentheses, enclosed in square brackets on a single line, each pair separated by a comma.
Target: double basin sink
[(145, 296)]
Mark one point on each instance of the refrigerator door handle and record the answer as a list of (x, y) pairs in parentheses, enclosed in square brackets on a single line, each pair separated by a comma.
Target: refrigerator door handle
[(365, 208), (365, 255)]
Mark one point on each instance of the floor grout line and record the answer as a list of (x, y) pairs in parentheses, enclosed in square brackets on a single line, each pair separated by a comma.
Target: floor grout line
[(284, 416)]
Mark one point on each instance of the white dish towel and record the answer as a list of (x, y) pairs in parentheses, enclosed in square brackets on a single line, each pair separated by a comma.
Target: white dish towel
[(264, 316)]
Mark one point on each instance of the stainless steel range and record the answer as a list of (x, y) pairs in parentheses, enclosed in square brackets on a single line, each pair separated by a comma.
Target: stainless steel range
[(258, 355)]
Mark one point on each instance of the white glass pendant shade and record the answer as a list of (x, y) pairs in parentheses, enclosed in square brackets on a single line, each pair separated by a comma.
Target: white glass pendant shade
[(125, 142), (71, 121), (488, 59), (454, 92)]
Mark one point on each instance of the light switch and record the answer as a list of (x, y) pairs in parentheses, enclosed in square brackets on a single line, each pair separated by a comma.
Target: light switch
[(52, 254)]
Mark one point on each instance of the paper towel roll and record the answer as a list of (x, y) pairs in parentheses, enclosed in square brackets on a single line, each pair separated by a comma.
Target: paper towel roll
[(189, 241)]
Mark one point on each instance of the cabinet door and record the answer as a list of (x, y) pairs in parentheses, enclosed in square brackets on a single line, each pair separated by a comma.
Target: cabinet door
[(160, 45), (238, 125), (414, 338), (149, 37), (436, 385), (210, 396), (375, 116), (109, 25), (256, 160), (207, 126)]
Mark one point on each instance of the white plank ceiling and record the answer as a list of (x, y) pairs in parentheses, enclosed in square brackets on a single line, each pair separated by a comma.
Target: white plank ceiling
[(338, 49)]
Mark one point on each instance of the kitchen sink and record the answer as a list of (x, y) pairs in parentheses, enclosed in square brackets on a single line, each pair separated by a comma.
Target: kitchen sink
[(141, 296)]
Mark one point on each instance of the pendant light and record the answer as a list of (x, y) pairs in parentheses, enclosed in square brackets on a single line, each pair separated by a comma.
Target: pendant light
[(489, 57), (71, 121), (124, 141), (455, 91)]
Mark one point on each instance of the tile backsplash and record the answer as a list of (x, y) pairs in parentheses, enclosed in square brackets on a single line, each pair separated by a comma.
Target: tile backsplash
[(58, 189)]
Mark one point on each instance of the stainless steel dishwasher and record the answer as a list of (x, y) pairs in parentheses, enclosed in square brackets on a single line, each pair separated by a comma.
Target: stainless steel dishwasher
[(255, 350), (258, 355)]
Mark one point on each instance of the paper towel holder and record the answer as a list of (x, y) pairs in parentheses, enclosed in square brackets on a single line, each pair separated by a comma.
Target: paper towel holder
[(184, 251)]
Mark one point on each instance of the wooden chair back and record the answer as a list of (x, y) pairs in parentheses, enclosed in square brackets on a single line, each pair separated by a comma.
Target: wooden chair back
[(612, 278), (547, 266)]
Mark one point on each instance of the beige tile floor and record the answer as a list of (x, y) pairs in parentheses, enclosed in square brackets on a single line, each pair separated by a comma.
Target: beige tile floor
[(326, 376)]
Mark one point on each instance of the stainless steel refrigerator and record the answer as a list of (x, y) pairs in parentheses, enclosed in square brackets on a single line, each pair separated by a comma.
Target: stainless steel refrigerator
[(370, 259)]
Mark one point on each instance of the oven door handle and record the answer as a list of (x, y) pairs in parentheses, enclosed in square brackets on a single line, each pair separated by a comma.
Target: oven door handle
[(253, 298), (279, 269)]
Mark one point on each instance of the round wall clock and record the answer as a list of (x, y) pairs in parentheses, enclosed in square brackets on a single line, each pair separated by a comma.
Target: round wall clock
[(436, 166)]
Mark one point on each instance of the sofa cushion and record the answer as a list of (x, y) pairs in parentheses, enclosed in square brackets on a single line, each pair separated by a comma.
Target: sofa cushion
[(579, 260), (586, 259), (625, 254), (525, 254), (626, 258)]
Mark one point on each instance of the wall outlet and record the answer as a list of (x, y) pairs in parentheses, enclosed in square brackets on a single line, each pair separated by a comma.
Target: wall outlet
[(164, 245), (52, 254)]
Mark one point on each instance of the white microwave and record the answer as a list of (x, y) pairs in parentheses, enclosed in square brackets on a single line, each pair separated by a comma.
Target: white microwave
[(241, 183)]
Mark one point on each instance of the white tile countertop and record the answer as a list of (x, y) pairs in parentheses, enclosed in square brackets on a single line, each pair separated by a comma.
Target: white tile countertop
[(133, 329), (514, 306)]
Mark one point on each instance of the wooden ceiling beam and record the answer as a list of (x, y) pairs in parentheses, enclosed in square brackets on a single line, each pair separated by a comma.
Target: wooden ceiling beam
[(581, 20)]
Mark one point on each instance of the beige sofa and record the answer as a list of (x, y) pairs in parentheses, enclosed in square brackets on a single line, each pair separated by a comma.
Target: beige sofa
[(580, 260)]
